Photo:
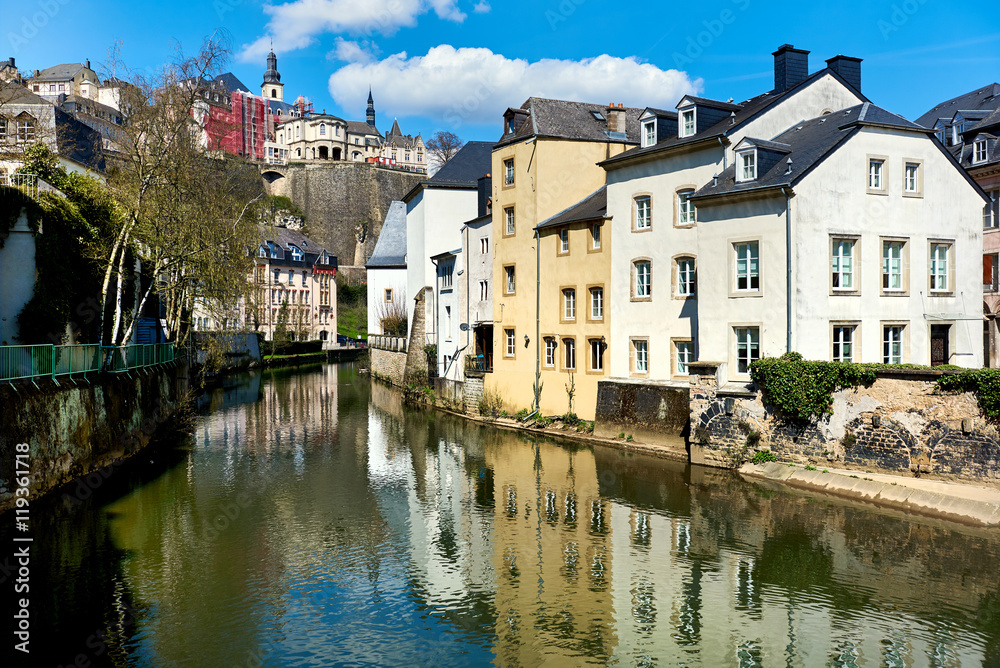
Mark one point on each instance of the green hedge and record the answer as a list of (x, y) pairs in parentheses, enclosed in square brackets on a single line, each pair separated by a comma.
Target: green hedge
[(984, 383), (801, 389)]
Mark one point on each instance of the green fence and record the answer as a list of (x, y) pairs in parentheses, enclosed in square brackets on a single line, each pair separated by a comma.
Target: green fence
[(27, 362)]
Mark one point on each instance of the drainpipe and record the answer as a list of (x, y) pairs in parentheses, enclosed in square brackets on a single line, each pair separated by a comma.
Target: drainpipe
[(788, 270), (725, 156), (538, 284)]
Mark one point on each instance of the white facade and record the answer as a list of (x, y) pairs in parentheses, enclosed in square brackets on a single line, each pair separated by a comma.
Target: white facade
[(448, 316), (831, 203), (17, 276), (385, 286), (651, 334), (434, 216)]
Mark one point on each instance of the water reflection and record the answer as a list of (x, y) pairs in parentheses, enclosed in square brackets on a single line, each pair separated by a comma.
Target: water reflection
[(316, 521)]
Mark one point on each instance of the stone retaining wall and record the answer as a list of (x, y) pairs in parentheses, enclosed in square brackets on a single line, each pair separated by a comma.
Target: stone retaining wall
[(83, 430), (472, 391), (902, 423), (653, 413), (388, 365)]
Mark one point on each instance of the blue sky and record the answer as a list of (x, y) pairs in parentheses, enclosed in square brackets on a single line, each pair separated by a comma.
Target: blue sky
[(457, 64)]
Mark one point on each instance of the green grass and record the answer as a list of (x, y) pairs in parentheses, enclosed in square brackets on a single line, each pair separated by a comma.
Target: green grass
[(282, 357), (352, 321)]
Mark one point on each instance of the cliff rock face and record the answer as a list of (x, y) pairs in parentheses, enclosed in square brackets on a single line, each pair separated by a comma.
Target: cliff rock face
[(344, 202)]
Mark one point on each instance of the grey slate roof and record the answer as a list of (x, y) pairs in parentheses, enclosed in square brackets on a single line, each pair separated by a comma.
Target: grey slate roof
[(715, 104), (361, 128), (593, 206), (60, 72), (987, 97), (231, 83), (810, 141), (964, 153), (772, 145), (390, 249), (282, 236), (570, 120), (747, 111), (473, 160)]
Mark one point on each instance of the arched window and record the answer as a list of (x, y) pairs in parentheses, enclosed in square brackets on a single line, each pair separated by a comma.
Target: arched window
[(274, 93), (322, 128)]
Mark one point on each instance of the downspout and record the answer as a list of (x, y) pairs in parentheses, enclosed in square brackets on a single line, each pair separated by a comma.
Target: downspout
[(788, 270), (538, 285), (725, 156)]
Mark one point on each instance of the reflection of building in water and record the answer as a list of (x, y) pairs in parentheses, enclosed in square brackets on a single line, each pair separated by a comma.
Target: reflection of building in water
[(718, 578), (552, 555)]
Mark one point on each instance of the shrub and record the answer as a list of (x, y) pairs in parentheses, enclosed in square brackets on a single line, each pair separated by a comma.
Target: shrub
[(984, 383), (522, 415), (800, 389), (849, 440), (490, 405), (570, 419), (763, 456)]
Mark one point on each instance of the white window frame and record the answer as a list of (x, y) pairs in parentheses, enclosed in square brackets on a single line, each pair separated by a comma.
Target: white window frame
[(939, 265), (563, 241), (893, 336), (640, 356), (751, 254), (484, 290), (595, 236), (979, 151), (508, 172), (550, 351), (746, 169), (484, 245), (911, 177), (648, 133), (510, 282), (569, 304), (596, 355), (643, 212), (643, 279), (684, 356), (686, 277), (876, 174), (597, 303), (747, 348), (844, 336), (510, 225), (510, 342), (685, 208), (891, 262), (843, 278), (688, 126), (569, 354)]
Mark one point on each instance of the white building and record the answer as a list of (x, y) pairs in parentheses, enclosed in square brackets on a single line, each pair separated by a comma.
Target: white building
[(853, 236), (655, 312), (475, 284), (436, 209), (386, 270)]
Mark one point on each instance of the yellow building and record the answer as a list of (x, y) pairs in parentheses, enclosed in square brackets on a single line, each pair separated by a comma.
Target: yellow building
[(546, 177)]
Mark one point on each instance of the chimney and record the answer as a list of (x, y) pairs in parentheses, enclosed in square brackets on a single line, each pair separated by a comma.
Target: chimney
[(848, 68), (791, 66), (86, 63), (485, 187), (616, 117), (11, 61)]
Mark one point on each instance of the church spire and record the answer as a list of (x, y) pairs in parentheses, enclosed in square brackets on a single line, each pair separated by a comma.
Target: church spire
[(370, 115)]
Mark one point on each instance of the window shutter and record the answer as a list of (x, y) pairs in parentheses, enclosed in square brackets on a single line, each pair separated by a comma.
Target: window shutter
[(987, 270)]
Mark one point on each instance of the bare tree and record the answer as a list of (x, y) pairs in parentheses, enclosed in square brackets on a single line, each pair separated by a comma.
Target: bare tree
[(190, 218), (443, 146)]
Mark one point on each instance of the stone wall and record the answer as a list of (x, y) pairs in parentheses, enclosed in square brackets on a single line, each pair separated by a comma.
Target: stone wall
[(416, 357), (901, 424), (388, 358), (83, 430), (472, 391), (651, 412), (336, 197), (449, 392)]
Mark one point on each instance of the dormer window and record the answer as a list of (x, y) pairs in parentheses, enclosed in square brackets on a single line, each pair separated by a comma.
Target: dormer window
[(262, 252), (687, 123), (296, 254), (746, 168), (648, 133), (979, 151), (273, 249)]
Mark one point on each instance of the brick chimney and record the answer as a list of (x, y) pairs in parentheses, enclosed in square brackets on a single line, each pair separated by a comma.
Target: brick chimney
[(848, 68), (791, 66), (616, 117)]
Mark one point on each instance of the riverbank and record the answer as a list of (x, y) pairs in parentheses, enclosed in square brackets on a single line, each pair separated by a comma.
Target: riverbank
[(966, 503)]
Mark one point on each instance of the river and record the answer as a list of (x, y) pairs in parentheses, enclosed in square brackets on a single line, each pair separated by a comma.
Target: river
[(312, 519)]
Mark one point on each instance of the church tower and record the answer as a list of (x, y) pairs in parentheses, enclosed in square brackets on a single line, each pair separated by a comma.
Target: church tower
[(370, 115), (271, 88)]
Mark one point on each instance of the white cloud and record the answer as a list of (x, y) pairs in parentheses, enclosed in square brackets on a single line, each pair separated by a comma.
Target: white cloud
[(295, 25), (482, 7), (353, 52), (474, 85)]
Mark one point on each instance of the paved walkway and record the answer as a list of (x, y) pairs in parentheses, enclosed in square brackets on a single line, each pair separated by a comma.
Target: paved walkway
[(963, 502)]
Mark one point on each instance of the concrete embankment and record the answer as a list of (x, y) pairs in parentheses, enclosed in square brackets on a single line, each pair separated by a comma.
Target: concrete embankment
[(961, 502)]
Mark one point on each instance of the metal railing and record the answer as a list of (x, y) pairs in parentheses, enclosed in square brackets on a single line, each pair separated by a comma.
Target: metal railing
[(26, 183), (40, 361)]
